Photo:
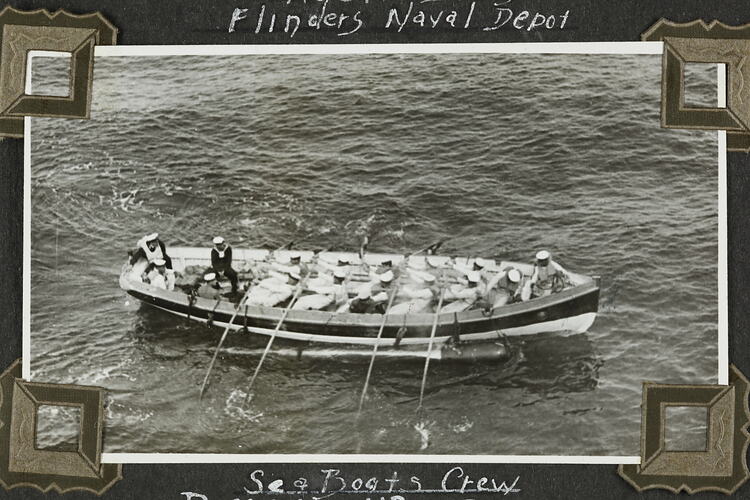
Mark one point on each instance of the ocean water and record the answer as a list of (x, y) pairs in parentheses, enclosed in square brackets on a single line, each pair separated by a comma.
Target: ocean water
[(502, 154)]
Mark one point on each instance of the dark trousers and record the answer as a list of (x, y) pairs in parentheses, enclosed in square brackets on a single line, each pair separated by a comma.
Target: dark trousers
[(231, 274)]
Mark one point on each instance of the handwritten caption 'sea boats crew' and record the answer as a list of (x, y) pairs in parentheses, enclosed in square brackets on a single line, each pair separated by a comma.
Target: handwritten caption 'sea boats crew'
[(335, 16), (333, 481)]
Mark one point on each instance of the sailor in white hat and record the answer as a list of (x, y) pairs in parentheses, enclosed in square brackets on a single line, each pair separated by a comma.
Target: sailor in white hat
[(159, 276), (210, 288), (221, 261), (462, 295), (506, 287), (380, 288), (363, 302), (548, 277), (150, 248)]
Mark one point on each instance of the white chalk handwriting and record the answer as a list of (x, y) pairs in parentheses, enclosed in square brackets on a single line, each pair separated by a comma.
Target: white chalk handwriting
[(347, 17), (330, 482)]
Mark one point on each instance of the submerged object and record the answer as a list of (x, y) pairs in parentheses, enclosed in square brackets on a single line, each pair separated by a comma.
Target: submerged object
[(572, 309)]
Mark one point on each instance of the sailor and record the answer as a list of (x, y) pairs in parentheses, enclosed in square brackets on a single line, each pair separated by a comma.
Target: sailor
[(273, 290), (221, 261), (506, 287), (462, 296), (150, 247), (381, 291), (160, 276), (283, 264), (330, 296), (363, 302), (548, 276), (210, 288), (416, 295), (295, 259)]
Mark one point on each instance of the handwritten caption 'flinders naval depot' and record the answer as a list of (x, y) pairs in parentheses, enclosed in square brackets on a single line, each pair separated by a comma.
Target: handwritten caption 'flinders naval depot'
[(332, 482), (291, 16)]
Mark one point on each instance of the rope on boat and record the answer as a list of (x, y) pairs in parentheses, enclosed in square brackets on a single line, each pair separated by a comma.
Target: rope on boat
[(375, 347), (300, 287), (429, 347)]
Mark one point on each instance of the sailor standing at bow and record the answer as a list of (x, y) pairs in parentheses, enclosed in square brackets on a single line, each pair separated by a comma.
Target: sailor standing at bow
[(151, 248), (221, 261)]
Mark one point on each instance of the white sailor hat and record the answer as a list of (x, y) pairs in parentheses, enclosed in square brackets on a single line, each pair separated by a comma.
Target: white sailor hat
[(295, 255), (542, 255), (514, 275), (339, 273), (218, 240), (386, 277), (344, 259), (209, 276), (427, 277), (151, 237), (160, 262), (364, 293), (473, 276)]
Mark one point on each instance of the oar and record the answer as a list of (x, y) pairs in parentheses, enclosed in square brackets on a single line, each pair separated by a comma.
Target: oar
[(382, 324), (226, 330), (375, 346), (221, 342), (429, 348), (300, 287)]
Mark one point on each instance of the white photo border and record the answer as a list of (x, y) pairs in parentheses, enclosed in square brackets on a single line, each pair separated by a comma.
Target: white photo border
[(635, 48)]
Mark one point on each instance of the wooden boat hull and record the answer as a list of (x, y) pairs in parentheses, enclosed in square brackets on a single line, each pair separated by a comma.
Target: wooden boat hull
[(572, 310)]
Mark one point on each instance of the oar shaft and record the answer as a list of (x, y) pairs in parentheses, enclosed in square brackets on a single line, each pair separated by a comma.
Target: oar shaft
[(429, 347), (375, 348), (221, 342), (234, 316), (297, 293)]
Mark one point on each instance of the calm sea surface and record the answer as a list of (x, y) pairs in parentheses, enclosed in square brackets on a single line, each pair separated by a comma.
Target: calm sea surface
[(504, 154)]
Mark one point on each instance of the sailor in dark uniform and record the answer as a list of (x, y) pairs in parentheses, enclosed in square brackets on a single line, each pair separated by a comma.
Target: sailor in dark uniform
[(151, 248), (221, 261), (363, 302)]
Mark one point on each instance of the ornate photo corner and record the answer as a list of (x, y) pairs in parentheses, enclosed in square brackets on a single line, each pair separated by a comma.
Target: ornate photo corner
[(699, 42), (22, 461), (61, 31), (722, 466)]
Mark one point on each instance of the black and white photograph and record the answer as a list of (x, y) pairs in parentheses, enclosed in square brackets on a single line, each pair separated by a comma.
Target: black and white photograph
[(478, 254)]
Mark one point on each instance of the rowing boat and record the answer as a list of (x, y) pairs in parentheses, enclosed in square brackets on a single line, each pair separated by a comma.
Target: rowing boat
[(573, 309)]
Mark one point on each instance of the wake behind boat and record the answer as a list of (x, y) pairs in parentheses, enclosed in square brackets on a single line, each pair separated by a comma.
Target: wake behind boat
[(570, 308)]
